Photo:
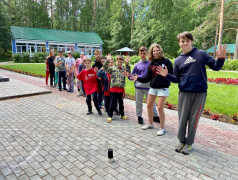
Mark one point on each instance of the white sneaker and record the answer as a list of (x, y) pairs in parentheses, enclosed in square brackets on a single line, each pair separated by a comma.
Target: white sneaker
[(148, 126), (161, 132)]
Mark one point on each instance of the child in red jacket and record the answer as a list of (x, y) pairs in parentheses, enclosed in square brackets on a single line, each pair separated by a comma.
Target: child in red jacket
[(89, 78)]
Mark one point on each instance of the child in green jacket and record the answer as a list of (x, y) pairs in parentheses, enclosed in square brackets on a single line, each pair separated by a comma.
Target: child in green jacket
[(118, 73)]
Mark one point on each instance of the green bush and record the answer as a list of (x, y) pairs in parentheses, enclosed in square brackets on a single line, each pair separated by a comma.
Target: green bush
[(39, 57), (229, 65), (172, 60), (233, 65), (76, 55), (25, 57), (17, 58), (134, 59), (42, 56), (65, 54), (36, 58), (225, 66)]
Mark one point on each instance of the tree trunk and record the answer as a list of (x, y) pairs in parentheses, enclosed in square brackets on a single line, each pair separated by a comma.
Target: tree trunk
[(236, 47), (214, 51), (51, 14), (221, 23), (94, 14), (132, 17)]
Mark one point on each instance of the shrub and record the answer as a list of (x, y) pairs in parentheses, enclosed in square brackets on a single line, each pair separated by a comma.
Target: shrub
[(230, 65), (76, 55), (134, 59), (233, 65), (25, 57), (65, 54), (36, 58), (42, 56), (225, 66), (17, 58), (93, 59)]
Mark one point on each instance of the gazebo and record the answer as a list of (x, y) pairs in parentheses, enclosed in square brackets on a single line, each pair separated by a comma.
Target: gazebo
[(125, 51), (230, 54)]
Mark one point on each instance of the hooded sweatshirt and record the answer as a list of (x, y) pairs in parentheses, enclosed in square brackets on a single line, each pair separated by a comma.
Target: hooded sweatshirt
[(190, 71), (157, 81)]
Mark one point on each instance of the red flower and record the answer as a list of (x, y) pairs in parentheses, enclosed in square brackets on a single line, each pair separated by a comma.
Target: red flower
[(235, 117), (170, 106), (215, 117)]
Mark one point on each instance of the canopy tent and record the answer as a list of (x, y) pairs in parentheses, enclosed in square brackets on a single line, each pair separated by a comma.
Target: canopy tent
[(126, 51)]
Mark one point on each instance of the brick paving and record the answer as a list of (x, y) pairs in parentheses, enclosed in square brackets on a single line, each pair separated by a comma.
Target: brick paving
[(50, 137)]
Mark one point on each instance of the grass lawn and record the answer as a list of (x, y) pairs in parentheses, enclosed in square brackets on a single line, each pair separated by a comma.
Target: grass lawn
[(38, 68), (221, 98)]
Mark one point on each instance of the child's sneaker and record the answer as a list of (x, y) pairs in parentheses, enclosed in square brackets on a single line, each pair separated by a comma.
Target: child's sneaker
[(124, 117), (161, 132), (148, 126), (187, 149), (109, 120), (89, 112), (100, 112), (179, 147), (140, 120)]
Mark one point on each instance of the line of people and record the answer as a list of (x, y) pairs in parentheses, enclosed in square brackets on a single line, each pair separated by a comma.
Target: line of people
[(152, 78)]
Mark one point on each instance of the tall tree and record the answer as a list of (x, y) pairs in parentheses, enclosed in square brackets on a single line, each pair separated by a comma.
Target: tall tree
[(221, 22), (5, 35)]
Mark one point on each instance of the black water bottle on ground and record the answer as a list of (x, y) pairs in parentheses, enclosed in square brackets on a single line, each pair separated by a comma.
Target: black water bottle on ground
[(110, 155)]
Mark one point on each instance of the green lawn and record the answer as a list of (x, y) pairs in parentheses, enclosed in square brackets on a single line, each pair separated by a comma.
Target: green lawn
[(222, 99), (38, 68)]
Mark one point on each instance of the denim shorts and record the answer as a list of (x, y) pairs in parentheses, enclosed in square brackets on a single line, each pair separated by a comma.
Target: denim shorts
[(159, 92)]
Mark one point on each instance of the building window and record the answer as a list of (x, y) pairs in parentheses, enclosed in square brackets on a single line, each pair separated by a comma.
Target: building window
[(19, 49)]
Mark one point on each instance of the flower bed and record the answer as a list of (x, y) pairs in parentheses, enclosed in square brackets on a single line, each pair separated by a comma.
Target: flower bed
[(224, 81)]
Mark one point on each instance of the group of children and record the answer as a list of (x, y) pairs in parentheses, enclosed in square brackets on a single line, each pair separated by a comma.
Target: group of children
[(151, 78), (62, 70)]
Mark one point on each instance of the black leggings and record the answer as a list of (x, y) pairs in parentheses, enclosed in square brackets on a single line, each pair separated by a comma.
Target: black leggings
[(52, 74)]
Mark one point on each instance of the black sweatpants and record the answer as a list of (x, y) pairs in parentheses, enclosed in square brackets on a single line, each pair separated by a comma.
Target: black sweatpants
[(95, 101), (62, 75), (107, 102), (114, 97)]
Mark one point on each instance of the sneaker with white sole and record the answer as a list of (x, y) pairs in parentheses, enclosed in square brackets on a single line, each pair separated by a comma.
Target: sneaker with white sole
[(179, 147), (109, 120), (124, 117), (161, 132), (187, 149), (148, 126)]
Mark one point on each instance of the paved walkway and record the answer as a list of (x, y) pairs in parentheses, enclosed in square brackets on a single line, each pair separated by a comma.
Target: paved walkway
[(50, 137)]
